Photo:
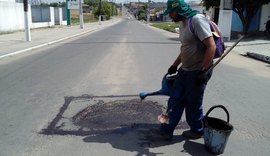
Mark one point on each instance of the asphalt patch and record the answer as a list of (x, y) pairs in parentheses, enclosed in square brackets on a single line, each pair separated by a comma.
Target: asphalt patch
[(94, 115), (118, 113)]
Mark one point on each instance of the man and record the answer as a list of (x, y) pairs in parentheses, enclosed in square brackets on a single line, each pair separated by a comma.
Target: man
[(196, 56)]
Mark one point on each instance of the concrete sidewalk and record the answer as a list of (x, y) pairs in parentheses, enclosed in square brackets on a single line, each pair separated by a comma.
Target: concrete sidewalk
[(254, 47), (260, 45), (15, 43)]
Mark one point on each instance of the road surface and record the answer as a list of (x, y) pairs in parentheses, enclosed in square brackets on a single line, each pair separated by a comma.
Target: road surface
[(43, 89)]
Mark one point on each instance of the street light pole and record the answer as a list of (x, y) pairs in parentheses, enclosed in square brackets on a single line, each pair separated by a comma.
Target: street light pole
[(26, 22)]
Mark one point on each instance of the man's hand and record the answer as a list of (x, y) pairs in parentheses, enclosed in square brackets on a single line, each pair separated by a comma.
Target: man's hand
[(172, 70), (203, 77)]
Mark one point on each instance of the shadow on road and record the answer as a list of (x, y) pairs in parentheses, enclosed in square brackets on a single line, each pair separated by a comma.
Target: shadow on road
[(138, 142), (175, 39)]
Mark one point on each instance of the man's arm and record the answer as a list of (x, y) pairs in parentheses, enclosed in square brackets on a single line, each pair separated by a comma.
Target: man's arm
[(173, 67), (177, 61), (209, 52)]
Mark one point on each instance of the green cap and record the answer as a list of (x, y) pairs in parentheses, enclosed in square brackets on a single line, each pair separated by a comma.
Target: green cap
[(181, 7)]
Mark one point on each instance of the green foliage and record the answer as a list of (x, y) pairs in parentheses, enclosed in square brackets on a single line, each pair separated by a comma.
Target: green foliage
[(55, 4), (166, 26), (92, 3), (107, 9), (141, 14), (43, 5), (86, 19)]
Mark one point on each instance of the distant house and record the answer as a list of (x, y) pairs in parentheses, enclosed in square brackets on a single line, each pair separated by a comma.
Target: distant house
[(258, 22), (12, 16), (86, 8), (156, 11), (194, 4)]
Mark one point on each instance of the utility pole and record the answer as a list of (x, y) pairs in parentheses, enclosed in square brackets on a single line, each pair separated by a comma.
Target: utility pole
[(26, 22), (99, 10), (148, 11), (81, 14), (112, 10)]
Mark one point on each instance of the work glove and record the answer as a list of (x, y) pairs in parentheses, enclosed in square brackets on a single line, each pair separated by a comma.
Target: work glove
[(172, 70), (203, 77)]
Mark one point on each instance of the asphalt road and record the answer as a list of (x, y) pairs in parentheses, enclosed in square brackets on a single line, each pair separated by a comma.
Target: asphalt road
[(122, 60)]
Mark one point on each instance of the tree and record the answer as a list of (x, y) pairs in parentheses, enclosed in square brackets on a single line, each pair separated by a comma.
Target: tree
[(35, 2), (92, 3), (105, 9), (55, 4), (141, 14), (246, 9)]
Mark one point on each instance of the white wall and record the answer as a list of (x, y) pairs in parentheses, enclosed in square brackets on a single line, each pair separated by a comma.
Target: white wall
[(8, 1), (265, 15), (225, 22), (52, 16), (11, 16)]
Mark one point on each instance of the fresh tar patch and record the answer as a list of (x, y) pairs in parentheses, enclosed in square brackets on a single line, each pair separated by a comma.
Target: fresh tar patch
[(93, 115)]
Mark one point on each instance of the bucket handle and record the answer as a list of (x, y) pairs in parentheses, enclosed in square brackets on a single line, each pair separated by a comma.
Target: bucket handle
[(220, 106)]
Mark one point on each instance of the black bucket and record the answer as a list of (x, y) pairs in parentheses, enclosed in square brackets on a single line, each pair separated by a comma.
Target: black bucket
[(216, 131)]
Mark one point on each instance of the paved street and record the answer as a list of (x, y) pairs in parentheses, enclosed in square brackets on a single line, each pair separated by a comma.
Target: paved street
[(62, 98), (15, 43)]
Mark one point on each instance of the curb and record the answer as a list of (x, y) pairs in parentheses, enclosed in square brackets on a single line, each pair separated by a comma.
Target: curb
[(45, 44)]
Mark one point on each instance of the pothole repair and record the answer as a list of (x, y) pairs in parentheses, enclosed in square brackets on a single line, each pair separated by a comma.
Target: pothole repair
[(119, 113), (89, 115)]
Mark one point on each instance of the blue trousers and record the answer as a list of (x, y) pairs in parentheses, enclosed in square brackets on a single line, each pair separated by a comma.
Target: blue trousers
[(188, 95)]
